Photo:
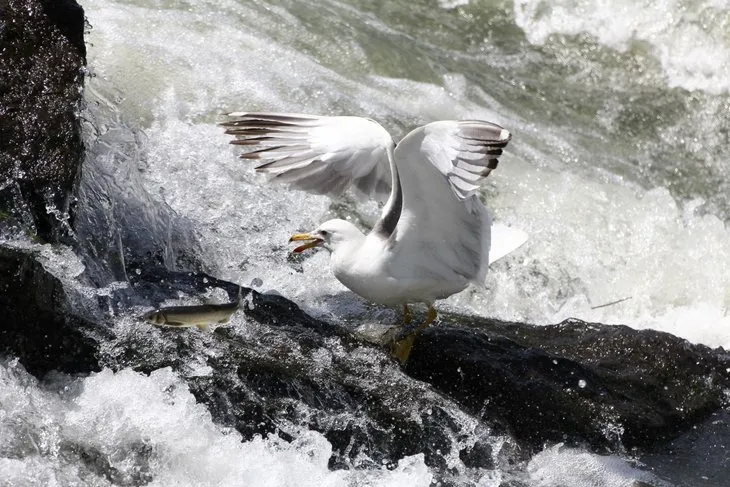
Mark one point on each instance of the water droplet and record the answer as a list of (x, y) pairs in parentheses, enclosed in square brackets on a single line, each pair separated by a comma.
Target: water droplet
[(582, 384)]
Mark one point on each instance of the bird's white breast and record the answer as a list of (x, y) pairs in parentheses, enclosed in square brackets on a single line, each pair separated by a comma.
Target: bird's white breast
[(368, 271)]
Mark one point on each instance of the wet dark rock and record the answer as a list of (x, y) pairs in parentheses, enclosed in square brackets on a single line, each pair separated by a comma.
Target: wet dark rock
[(275, 378), (41, 68), (611, 387), (41, 84), (276, 310), (606, 387), (68, 17), (38, 323), (701, 456)]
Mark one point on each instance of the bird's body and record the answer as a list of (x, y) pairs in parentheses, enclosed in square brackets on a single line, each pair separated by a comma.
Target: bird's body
[(434, 234), (370, 268)]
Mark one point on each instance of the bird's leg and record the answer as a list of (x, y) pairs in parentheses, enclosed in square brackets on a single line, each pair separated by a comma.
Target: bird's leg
[(430, 318), (390, 336), (406, 314), (401, 349)]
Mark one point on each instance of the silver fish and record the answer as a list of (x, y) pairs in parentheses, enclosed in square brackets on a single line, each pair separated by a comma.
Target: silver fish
[(199, 316)]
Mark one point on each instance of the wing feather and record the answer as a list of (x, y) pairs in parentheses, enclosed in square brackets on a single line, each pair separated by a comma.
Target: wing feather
[(322, 155)]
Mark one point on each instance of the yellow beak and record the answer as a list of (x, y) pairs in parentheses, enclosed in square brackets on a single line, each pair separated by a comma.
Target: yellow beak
[(313, 241)]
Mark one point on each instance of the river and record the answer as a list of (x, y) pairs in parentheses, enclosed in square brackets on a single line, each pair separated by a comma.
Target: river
[(619, 171)]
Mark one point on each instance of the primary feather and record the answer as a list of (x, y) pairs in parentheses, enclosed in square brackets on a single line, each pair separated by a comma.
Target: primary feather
[(321, 155)]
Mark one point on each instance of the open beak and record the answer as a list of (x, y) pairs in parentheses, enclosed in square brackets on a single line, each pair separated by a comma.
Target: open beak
[(312, 241)]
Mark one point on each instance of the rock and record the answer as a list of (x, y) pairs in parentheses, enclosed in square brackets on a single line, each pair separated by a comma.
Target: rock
[(282, 372), (605, 387), (612, 387), (39, 325), (41, 81), (41, 85), (698, 457)]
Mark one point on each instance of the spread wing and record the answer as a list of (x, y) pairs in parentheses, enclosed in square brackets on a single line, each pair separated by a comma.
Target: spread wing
[(441, 166), (321, 155)]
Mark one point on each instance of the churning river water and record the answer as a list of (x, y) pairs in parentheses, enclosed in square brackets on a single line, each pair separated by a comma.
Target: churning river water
[(619, 171)]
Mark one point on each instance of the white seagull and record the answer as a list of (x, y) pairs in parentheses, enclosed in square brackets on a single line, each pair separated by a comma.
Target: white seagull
[(433, 237)]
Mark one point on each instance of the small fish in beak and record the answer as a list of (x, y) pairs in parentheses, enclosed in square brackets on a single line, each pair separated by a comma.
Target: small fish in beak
[(313, 241)]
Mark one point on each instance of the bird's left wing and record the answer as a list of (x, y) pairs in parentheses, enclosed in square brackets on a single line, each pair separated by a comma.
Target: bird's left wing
[(321, 155), (441, 166)]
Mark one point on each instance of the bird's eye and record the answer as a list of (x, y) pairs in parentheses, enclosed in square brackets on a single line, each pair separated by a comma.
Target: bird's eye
[(324, 233)]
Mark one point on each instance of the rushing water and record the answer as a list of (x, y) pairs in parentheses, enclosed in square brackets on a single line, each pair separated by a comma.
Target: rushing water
[(618, 170)]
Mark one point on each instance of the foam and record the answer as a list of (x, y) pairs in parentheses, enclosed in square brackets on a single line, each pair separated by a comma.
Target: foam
[(450, 4), (150, 429), (691, 40), (558, 466), (59, 260), (593, 243)]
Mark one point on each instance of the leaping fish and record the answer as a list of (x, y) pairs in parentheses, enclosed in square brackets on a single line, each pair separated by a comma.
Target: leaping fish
[(199, 316)]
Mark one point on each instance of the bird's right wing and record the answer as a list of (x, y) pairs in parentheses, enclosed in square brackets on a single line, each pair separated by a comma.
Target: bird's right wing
[(321, 155)]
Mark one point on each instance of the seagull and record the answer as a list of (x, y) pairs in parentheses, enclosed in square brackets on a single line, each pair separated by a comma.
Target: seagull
[(433, 236)]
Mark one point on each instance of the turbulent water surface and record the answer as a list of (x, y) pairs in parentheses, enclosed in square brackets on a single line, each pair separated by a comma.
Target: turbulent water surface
[(618, 170)]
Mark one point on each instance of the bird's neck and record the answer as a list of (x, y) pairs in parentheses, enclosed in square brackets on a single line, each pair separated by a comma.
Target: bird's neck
[(346, 253), (392, 209)]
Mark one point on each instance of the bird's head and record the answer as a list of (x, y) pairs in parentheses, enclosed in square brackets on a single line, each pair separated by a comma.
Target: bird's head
[(330, 235)]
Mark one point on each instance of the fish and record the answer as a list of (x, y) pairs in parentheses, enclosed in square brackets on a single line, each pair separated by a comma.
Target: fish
[(199, 316)]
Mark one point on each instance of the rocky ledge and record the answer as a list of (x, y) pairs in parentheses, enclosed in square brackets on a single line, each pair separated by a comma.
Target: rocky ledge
[(608, 385)]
